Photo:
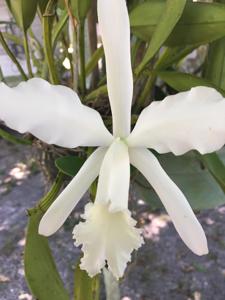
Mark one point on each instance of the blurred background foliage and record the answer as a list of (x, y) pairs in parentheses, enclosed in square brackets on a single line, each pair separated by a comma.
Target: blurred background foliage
[(175, 45)]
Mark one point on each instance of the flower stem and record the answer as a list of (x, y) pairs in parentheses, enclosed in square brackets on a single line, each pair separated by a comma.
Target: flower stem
[(47, 26), (146, 92), (82, 57), (12, 56), (111, 286), (13, 139), (49, 198), (27, 54)]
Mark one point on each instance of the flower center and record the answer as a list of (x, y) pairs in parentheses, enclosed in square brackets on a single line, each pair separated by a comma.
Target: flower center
[(120, 139)]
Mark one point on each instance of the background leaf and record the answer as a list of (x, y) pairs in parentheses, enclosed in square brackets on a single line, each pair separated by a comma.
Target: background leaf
[(184, 81), (41, 273), (215, 63), (200, 23), (80, 8), (23, 11), (195, 181), (69, 165), (168, 20)]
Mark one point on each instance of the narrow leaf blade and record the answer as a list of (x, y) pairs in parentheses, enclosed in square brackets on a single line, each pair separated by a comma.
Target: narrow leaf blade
[(172, 14), (41, 273)]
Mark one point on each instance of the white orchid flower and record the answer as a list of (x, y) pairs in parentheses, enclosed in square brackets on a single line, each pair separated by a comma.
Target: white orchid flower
[(186, 121)]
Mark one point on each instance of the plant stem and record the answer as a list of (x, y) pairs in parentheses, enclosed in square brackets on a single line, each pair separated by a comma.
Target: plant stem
[(92, 21), (82, 57), (48, 199), (13, 139), (47, 26), (111, 286), (146, 92), (73, 40), (12, 56), (27, 54)]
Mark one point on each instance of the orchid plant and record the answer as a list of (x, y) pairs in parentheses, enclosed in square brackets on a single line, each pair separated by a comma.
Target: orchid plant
[(109, 233), (189, 120)]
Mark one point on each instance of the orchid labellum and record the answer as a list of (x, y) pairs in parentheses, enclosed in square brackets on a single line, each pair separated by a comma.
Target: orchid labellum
[(190, 120)]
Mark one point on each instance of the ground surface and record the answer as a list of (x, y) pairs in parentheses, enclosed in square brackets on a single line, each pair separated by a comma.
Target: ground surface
[(164, 269)]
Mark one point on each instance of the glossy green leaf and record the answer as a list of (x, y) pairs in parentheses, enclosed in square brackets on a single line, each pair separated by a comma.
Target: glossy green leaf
[(69, 165), (23, 11), (80, 8), (183, 81), (168, 20), (200, 23), (196, 182), (41, 273), (215, 63), (215, 72), (216, 167), (85, 288)]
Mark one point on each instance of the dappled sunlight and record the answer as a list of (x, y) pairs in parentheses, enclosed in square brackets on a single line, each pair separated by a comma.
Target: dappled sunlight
[(19, 172), (3, 227), (15, 176), (4, 278), (155, 223), (221, 210), (209, 221), (22, 242), (25, 297), (197, 296)]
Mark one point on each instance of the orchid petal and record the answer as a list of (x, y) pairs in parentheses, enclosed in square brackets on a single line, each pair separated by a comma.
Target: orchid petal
[(61, 208), (106, 236), (54, 114), (172, 198), (115, 31), (182, 122), (114, 177)]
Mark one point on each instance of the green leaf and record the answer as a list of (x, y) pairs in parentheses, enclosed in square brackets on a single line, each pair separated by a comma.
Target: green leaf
[(200, 23), (85, 287), (40, 270), (183, 81), (80, 8), (23, 11), (172, 56), (195, 181), (215, 72), (167, 22), (216, 167), (215, 63), (69, 165)]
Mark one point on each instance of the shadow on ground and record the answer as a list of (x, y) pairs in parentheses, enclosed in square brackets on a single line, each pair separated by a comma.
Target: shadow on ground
[(163, 269)]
